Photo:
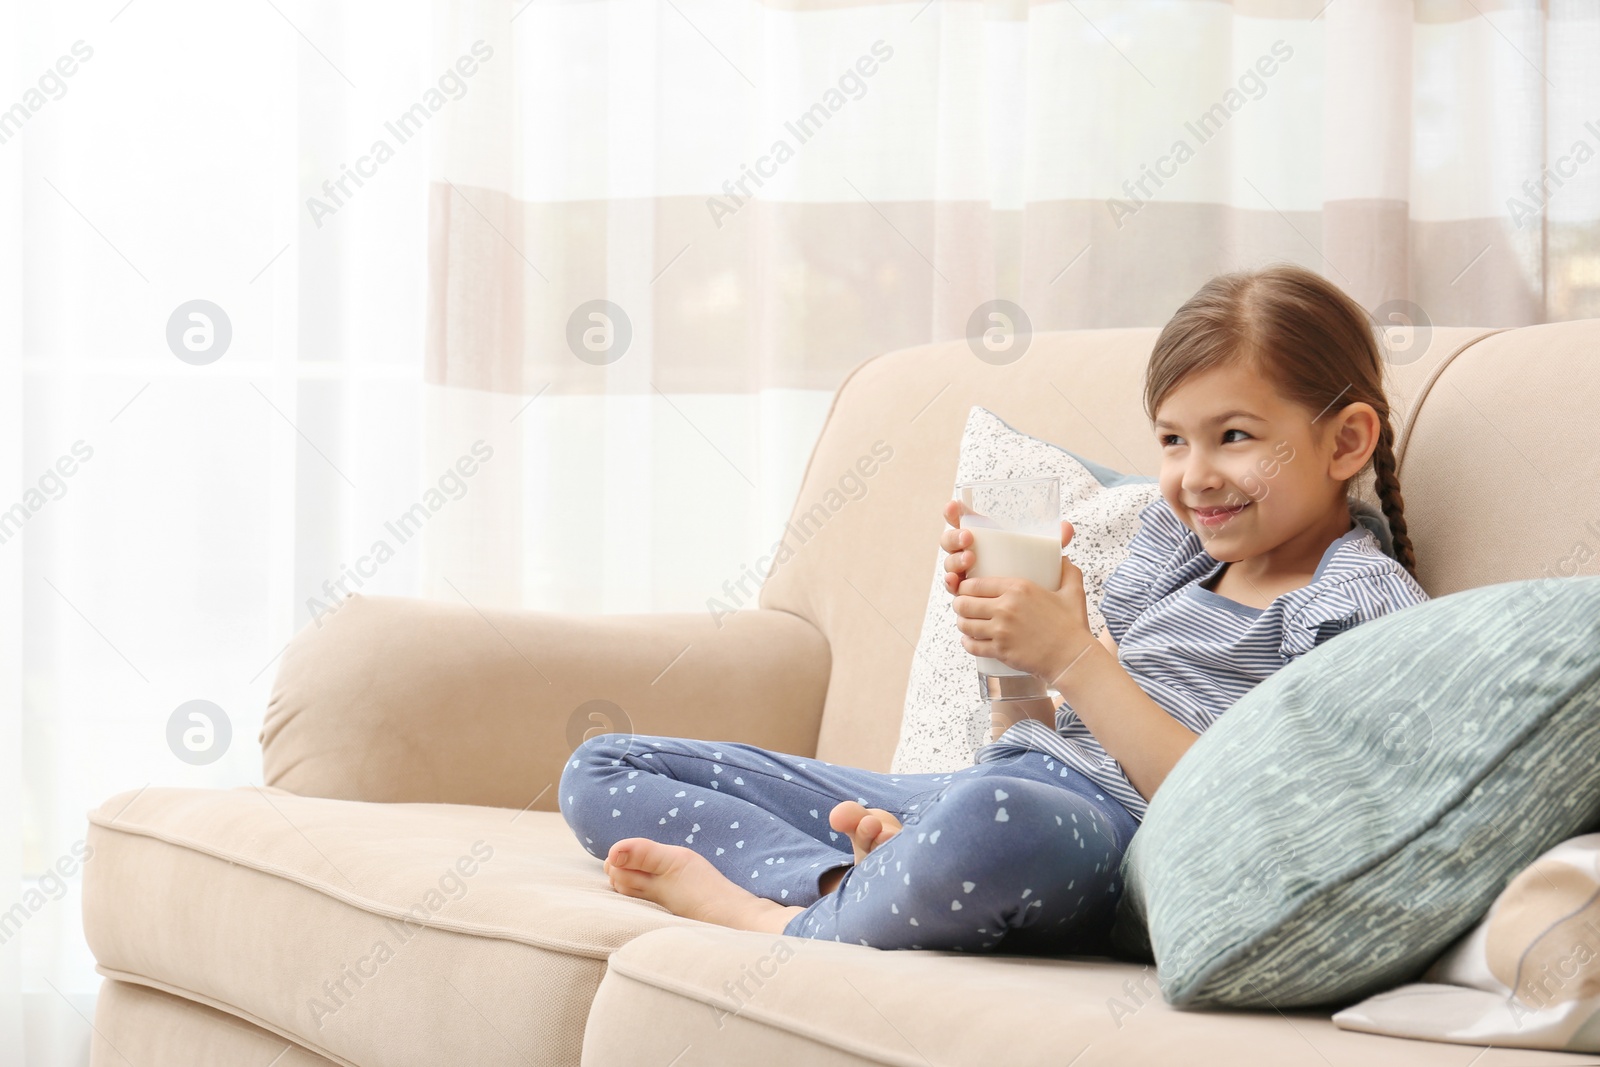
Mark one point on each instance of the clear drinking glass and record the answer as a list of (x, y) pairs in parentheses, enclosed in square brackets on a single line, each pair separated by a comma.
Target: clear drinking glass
[(1016, 533)]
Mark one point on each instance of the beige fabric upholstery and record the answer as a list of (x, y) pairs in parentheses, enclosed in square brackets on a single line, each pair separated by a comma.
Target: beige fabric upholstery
[(402, 732), (803, 1002), (137, 1025), (398, 699), (1501, 471), (252, 899)]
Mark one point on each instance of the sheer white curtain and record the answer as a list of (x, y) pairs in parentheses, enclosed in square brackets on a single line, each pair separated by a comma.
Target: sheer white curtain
[(207, 502), (213, 508), (167, 523), (11, 1040), (773, 192)]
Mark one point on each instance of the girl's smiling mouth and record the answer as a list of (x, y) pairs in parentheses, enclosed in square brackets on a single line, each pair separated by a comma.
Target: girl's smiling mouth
[(1218, 516)]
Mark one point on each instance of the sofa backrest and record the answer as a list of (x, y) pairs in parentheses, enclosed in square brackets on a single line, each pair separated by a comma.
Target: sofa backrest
[(1499, 468)]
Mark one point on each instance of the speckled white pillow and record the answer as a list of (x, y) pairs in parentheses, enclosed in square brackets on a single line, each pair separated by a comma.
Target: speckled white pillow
[(945, 719)]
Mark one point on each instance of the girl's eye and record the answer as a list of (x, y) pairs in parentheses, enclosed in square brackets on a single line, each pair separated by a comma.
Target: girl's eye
[(1172, 438)]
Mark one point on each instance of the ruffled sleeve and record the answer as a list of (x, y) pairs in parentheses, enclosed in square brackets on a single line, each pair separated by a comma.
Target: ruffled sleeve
[(1143, 575), (1378, 587)]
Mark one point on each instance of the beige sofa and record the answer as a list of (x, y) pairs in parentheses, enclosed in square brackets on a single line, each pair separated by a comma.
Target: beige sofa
[(405, 892)]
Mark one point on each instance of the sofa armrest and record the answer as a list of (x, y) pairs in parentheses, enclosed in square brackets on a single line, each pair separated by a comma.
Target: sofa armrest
[(403, 699)]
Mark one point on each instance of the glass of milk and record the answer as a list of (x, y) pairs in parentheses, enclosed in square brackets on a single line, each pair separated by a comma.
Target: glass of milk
[(1016, 533)]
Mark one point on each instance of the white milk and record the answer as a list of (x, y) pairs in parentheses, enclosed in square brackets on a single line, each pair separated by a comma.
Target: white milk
[(1007, 554)]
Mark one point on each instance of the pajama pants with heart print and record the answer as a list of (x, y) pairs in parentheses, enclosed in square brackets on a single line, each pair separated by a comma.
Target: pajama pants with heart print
[(1020, 855)]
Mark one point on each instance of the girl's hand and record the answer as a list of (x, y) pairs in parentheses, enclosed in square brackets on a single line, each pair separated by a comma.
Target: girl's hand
[(958, 542), (1018, 622)]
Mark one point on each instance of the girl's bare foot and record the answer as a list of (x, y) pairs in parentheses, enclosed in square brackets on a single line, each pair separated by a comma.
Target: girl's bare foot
[(685, 883), (868, 828)]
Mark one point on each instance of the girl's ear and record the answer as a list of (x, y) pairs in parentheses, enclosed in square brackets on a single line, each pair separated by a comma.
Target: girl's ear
[(1355, 435)]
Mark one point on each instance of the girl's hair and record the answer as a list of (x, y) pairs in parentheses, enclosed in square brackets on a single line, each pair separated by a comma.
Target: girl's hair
[(1303, 334)]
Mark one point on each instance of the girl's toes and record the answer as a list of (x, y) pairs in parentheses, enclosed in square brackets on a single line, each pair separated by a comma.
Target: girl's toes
[(844, 817), (647, 857), (624, 853), (882, 826), (628, 883)]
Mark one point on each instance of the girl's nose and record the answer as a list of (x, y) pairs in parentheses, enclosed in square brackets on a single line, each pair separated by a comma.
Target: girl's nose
[(1200, 476)]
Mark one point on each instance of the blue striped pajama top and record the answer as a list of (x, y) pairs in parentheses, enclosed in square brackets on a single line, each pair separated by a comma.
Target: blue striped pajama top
[(1196, 652)]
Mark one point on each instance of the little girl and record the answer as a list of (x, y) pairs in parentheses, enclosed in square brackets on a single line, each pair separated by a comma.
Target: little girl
[(1265, 393)]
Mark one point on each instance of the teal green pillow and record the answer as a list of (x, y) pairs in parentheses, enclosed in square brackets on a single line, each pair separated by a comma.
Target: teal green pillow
[(1354, 814)]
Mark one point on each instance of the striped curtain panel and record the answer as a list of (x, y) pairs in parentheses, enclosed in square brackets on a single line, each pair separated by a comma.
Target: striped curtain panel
[(712, 196)]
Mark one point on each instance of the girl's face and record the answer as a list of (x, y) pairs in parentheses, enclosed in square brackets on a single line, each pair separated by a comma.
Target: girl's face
[(1243, 468)]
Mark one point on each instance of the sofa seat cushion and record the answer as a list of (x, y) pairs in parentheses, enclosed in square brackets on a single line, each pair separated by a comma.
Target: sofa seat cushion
[(139, 1025), (392, 934), (713, 995)]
